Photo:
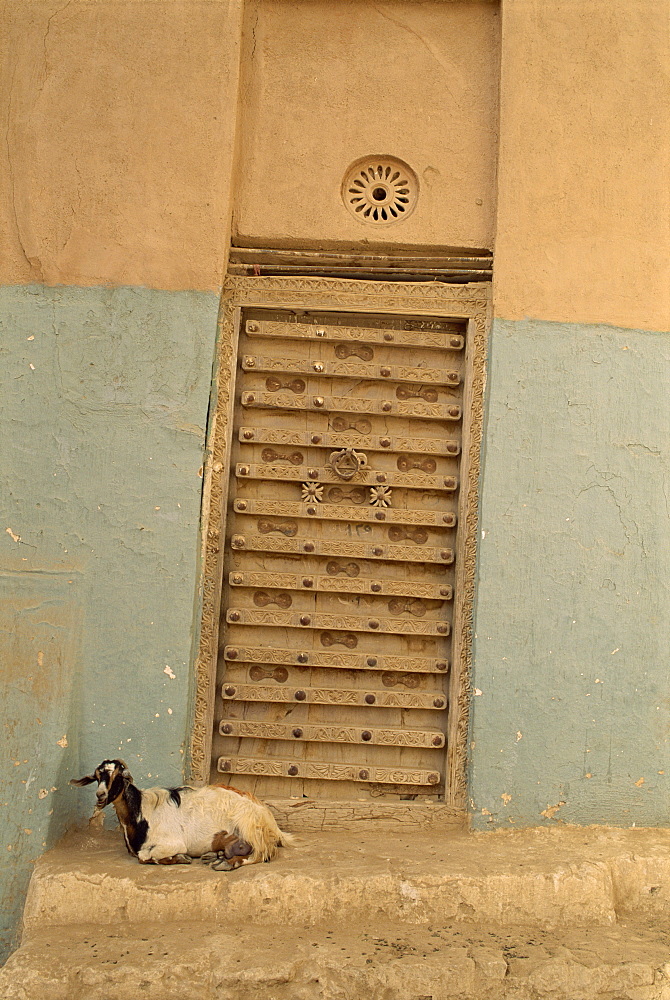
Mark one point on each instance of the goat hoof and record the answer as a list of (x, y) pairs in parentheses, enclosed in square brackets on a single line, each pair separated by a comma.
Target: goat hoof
[(222, 866), (182, 859), (212, 856)]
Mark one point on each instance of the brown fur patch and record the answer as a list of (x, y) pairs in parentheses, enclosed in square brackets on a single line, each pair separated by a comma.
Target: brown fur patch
[(121, 809), (230, 845), (123, 816), (221, 840), (248, 795)]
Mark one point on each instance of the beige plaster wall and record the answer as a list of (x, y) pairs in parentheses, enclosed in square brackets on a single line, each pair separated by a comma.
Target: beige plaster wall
[(326, 83), (119, 123), (119, 120), (583, 227)]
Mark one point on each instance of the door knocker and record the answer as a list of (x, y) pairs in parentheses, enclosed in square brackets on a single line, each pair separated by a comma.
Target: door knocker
[(347, 462)]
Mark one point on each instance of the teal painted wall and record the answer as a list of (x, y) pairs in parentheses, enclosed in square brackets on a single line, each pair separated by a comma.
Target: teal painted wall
[(104, 405), (571, 658)]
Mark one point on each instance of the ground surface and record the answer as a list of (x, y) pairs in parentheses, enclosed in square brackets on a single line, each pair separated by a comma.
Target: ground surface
[(562, 913)]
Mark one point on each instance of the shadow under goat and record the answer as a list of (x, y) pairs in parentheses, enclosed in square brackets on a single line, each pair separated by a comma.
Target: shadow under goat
[(169, 826)]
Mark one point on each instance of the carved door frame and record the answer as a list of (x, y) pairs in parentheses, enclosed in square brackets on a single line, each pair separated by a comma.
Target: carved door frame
[(470, 302)]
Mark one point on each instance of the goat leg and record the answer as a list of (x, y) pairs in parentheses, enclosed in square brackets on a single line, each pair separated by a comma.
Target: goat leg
[(238, 849), (229, 847), (97, 820), (223, 865), (229, 864), (225, 846)]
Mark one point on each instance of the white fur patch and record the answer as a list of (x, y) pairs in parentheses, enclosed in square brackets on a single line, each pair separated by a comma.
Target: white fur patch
[(204, 812)]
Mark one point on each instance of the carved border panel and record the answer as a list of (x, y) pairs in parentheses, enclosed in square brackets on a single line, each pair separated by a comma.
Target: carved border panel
[(460, 301)]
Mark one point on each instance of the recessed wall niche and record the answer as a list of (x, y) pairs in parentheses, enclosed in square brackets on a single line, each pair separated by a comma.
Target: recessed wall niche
[(329, 82)]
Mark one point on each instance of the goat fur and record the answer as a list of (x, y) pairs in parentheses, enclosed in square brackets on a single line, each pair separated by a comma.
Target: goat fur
[(172, 825), (190, 828)]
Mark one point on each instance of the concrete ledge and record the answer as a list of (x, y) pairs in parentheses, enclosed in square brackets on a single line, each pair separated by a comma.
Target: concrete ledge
[(552, 878)]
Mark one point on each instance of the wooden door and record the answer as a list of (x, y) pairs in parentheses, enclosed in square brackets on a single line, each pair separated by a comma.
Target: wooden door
[(339, 563)]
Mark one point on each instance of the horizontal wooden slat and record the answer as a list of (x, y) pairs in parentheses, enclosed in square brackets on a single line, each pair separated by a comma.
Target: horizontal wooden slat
[(351, 404), (455, 274), (335, 660), (373, 698), (274, 767), (342, 584), (349, 369), (310, 733), (355, 514), (355, 623), (447, 338), (351, 550), (448, 257), (365, 477), (449, 448)]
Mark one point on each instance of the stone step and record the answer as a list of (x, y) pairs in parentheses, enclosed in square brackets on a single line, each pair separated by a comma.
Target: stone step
[(349, 961), (550, 878)]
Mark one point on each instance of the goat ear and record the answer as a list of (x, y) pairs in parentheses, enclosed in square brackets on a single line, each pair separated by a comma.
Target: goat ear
[(126, 774), (86, 780)]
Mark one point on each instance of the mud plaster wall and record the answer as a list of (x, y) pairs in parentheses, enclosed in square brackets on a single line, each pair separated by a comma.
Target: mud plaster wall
[(571, 708), (583, 214), (105, 396), (327, 83), (119, 121)]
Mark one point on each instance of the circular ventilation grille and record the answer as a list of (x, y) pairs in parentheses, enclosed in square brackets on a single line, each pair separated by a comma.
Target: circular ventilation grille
[(380, 190)]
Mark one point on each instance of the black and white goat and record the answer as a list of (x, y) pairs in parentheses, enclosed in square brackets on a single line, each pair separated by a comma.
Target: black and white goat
[(169, 826)]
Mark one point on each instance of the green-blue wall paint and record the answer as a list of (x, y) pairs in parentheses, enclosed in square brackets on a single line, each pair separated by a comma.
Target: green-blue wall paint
[(105, 396), (571, 697)]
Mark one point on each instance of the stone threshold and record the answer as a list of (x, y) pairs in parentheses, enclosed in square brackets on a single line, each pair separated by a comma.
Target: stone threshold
[(312, 815)]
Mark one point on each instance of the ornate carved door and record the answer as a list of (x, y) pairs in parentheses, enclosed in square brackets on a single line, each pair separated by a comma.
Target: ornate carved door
[(340, 553)]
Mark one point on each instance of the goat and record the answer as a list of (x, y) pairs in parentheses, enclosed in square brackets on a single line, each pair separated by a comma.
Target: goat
[(169, 826)]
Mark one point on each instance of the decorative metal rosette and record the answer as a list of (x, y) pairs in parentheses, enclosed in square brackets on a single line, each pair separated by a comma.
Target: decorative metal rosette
[(312, 492), (380, 496)]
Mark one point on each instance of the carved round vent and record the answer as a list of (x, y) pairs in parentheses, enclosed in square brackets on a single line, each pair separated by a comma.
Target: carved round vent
[(380, 190)]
